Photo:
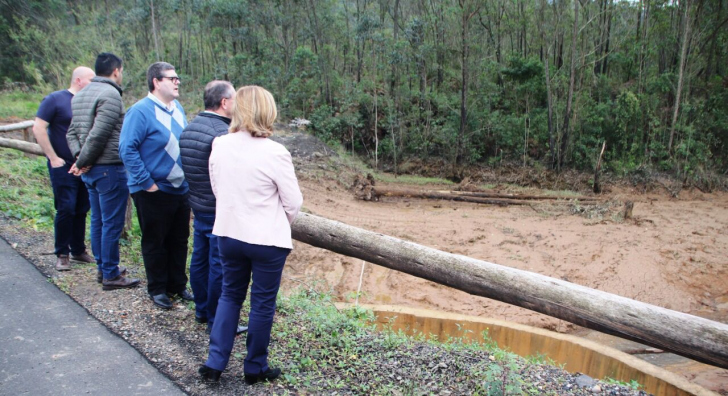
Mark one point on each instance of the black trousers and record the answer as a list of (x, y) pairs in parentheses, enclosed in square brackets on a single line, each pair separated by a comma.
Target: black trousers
[(164, 220)]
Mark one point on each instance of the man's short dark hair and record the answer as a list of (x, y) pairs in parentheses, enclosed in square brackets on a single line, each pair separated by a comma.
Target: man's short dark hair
[(155, 71), (106, 63), (215, 92)]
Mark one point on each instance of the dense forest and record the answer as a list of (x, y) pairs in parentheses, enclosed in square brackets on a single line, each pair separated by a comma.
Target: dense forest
[(532, 82)]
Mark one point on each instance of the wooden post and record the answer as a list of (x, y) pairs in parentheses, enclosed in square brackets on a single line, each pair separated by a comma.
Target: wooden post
[(26, 147), (687, 335)]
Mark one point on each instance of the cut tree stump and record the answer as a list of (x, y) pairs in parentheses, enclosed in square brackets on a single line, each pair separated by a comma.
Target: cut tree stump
[(687, 335), (628, 206)]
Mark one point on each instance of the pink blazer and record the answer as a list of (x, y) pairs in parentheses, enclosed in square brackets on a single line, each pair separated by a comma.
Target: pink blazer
[(256, 190)]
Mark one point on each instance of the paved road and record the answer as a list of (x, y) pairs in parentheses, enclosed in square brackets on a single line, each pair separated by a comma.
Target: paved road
[(50, 345)]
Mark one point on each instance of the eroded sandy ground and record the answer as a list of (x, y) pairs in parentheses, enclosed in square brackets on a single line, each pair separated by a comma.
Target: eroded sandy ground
[(673, 253)]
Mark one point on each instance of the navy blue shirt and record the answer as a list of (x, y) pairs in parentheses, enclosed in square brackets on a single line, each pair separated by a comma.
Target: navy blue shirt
[(55, 109)]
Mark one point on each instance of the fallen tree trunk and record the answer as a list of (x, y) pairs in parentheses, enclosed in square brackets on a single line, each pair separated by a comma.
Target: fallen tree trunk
[(515, 196), (374, 192), (377, 192), (26, 147), (687, 335)]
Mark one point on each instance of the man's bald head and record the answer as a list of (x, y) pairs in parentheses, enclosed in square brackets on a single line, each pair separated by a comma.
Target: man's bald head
[(81, 76)]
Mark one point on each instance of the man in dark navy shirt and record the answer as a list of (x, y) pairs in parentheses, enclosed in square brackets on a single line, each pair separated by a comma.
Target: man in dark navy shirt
[(70, 196)]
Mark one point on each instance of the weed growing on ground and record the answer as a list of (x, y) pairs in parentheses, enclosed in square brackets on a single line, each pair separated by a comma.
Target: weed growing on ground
[(633, 384)]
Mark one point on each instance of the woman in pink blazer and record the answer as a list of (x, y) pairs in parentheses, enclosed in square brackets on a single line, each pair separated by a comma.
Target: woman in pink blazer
[(258, 198)]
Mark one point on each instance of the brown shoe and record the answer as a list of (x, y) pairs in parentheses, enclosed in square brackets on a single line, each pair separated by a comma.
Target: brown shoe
[(84, 258), (62, 264), (100, 275), (120, 282)]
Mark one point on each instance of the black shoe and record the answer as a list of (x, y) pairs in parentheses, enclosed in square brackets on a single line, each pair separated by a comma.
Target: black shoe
[(269, 375), (161, 300), (209, 374), (200, 319), (184, 294)]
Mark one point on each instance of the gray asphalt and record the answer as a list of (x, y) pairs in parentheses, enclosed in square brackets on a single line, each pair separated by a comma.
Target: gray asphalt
[(49, 345)]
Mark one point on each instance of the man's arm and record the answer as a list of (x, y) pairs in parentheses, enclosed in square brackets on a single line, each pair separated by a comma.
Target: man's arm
[(40, 130), (133, 132)]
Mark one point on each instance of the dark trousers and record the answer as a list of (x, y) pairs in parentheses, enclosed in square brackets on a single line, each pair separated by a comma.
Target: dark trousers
[(70, 199), (240, 261), (164, 220), (108, 194), (205, 269)]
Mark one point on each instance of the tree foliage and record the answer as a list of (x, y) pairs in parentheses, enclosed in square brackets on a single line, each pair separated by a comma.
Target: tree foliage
[(469, 81)]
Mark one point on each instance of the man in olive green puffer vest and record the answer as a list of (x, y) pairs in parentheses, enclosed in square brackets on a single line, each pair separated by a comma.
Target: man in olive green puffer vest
[(93, 138)]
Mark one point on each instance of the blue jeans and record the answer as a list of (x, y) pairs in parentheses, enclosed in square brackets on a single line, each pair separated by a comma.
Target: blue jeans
[(70, 199), (240, 262), (108, 194), (205, 269)]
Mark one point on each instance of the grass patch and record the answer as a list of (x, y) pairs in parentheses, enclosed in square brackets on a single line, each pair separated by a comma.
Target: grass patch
[(19, 105), (25, 191)]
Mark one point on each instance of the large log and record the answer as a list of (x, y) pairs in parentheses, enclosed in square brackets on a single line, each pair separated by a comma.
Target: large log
[(377, 192), (516, 196), (27, 147), (16, 127), (687, 335)]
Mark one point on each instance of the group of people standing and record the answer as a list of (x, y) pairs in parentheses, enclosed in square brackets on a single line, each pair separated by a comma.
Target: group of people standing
[(240, 186)]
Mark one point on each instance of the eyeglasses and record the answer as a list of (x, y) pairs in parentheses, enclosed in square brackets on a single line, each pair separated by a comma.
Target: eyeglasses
[(174, 79)]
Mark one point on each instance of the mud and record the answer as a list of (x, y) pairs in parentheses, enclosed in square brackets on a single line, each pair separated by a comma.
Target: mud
[(672, 253)]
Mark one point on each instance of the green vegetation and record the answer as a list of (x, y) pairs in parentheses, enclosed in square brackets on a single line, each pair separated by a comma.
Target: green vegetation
[(25, 192), (18, 104), (532, 82)]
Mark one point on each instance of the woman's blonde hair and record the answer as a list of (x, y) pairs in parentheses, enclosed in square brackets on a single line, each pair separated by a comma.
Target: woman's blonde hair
[(255, 111)]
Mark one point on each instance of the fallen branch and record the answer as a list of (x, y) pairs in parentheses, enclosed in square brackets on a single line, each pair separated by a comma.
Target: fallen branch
[(687, 335)]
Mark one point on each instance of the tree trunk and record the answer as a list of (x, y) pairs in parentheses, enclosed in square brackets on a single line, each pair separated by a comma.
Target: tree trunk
[(547, 78), (605, 56), (681, 74), (597, 188), (687, 335), (154, 30), (570, 97)]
